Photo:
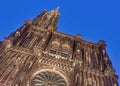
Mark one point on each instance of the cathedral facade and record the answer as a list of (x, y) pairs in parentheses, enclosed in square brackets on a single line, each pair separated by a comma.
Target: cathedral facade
[(38, 55)]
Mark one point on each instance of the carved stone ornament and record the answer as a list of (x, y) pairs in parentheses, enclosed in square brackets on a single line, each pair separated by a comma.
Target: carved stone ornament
[(48, 78)]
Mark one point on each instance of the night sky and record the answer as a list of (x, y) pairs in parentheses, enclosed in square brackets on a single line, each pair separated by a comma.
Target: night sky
[(94, 19)]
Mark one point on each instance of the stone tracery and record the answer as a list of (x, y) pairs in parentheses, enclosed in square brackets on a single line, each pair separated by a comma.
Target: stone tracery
[(48, 78)]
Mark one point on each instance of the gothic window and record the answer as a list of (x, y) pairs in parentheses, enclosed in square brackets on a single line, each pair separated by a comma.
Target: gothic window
[(54, 47), (48, 78), (65, 51), (64, 55), (53, 51)]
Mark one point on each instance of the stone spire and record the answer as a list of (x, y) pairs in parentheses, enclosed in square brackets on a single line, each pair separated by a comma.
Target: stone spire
[(47, 20)]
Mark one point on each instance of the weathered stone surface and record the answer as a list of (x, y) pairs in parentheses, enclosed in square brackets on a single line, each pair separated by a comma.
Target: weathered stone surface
[(38, 55)]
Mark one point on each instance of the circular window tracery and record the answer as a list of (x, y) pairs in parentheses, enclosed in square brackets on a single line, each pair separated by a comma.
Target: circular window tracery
[(48, 78)]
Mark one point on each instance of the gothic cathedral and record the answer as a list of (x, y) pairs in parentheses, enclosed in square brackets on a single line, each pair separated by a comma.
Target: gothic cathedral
[(38, 55)]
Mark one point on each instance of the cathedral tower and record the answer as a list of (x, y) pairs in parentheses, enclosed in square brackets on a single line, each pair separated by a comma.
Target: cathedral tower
[(38, 55)]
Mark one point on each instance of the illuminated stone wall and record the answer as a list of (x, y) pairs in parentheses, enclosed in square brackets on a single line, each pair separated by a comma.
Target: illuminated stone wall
[(38, 55)]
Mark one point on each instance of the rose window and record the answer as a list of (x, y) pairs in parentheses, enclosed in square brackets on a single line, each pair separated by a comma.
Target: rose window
[(48, 78)]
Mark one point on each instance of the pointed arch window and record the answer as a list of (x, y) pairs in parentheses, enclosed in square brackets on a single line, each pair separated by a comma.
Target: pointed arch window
[(65, 55), (65, 51), (52, 51), (54, 47)]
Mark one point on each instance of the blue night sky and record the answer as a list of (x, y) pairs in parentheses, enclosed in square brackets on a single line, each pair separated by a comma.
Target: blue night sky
[(94, 19)]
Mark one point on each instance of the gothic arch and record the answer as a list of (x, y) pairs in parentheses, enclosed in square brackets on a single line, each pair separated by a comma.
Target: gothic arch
[(48, 77)]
